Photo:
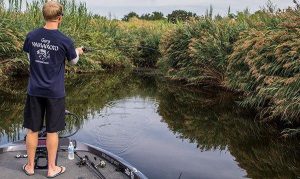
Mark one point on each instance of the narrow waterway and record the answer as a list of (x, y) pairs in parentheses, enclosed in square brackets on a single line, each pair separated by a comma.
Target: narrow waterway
[(164, 130)]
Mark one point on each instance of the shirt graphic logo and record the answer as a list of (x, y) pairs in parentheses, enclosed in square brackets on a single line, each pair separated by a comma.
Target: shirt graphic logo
[(43, 52)]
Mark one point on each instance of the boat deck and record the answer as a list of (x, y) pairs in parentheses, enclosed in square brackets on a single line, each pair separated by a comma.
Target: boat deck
[(11, 167)]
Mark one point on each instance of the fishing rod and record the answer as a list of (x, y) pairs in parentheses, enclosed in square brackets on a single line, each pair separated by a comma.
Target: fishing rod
[(139, 48), (76, 121), (85, 161)]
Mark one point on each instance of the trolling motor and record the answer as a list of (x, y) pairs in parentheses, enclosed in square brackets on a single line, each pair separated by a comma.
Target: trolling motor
[(41, 155)]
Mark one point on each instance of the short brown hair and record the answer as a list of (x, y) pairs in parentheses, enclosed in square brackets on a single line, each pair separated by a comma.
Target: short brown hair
[(51, 10)]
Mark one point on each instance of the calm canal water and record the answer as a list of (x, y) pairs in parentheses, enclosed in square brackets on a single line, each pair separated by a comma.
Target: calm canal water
[(166, 131)]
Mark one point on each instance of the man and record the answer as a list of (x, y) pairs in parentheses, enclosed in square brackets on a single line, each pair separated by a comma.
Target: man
[(47, 49)]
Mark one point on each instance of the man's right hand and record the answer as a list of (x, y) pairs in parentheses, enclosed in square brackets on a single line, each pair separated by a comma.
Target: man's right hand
[(80, 50)]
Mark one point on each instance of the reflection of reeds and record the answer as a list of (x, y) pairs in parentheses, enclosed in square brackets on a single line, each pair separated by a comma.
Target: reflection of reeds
[(217, 126), (84, 96), (196, 116), (268, 158), (10, 123)]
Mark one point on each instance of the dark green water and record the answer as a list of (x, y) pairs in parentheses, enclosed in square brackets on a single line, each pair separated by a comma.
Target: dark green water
[(164, 130)]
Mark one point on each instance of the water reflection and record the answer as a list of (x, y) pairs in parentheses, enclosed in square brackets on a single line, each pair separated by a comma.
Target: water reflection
[(211, 121), (11, 109)]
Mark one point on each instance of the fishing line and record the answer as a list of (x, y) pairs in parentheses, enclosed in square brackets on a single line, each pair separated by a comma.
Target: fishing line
[(77, 120), (139, 48), (43, 132)]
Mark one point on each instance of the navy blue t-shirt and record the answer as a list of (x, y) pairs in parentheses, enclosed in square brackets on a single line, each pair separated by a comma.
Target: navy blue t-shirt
[(48, 50)]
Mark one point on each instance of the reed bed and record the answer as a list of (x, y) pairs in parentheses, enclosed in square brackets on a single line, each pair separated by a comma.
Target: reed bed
[(82, 26), (256, 54), (196, 52), (265, 65), (142, 39)]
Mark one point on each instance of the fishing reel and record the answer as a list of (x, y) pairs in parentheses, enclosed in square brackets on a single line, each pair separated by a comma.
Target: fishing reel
[(87, 49), (102, 164), (85, 161)]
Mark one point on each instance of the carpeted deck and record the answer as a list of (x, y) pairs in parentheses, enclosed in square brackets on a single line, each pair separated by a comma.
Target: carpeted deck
[(11, 168)]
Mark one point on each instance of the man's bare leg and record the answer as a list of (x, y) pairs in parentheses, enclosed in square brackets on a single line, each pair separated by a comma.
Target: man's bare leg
[(52, 145), (31, 144)]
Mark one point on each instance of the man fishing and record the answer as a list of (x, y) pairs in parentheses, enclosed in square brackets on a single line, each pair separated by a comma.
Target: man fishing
[(47, 49)]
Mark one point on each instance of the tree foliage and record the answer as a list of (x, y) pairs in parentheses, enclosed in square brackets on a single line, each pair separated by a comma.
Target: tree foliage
[(180, 15), (130, 15), (153, 16)]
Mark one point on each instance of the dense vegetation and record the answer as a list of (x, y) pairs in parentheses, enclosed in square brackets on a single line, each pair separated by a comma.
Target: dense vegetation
[(257, 54), (254, 54), (117, 43)]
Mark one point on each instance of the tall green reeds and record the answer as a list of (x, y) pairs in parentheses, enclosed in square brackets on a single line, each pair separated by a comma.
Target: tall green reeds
[(257, 54), (265, 65), (78, 23), (117, 44), (197, 52), (141, 40)]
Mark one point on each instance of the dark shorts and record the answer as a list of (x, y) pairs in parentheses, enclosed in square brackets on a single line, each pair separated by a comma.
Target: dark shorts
[(38, 108)]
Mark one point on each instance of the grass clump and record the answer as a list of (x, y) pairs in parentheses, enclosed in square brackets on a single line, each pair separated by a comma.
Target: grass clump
[(265, 65), (197, 52), (139, 40)]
